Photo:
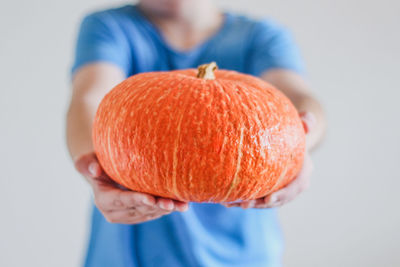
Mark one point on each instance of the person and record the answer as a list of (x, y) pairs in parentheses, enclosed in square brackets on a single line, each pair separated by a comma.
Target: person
[(136, 229)]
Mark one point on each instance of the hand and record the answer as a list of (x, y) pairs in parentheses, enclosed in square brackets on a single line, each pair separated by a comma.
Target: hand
[(293, 189), (284, 195), (119, 205)]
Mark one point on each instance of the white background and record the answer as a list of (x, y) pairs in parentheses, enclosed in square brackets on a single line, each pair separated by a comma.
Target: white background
[(350, 215)]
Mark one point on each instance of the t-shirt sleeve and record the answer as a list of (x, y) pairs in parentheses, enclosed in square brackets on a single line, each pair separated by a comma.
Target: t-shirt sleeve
[(272, 46), (100, 39)]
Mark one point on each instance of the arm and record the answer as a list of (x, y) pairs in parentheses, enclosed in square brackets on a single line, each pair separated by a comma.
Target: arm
[(90, 83)]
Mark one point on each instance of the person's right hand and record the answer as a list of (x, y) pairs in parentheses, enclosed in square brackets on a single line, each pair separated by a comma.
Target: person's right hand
[(120, 205)]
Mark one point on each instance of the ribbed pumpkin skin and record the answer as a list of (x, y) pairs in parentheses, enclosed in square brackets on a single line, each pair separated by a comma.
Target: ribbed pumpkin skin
[(174, 135)]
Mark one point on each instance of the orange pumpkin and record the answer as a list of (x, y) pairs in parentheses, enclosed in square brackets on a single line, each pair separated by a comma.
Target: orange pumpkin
[(204, 136)]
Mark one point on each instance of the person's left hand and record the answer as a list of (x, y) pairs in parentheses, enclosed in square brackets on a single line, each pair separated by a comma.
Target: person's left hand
[(293, 189), (284, 195)]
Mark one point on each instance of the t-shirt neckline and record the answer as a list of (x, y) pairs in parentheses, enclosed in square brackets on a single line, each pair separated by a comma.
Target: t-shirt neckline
[(193, 50)]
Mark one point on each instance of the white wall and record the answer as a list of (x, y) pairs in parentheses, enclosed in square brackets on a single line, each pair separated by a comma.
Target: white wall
[(350, 215)]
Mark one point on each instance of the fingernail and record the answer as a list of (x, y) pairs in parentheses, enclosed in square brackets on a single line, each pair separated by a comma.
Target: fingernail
[(273, 199), (92, 168), (169, 206), (163, 206), (146, 201), (309, 121)]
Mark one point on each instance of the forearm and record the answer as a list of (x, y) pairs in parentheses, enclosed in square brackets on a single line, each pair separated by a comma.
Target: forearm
[(90, 85), (79, 129)]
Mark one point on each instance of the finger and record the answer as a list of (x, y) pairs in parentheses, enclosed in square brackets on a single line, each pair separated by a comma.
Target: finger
[(276, 200), (127, 216), (309, 120), (88, 165), (140, 209), (145, 218), (259, 203), (108, 197), (286, 194), (232, 204), (165, 204), (181, 206), (94, 169), (293, 189), (141, 219), (119, 216), (247, 204)]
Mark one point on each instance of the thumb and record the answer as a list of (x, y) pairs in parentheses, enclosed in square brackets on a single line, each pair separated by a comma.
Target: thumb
[(88, 165), (309, 120)]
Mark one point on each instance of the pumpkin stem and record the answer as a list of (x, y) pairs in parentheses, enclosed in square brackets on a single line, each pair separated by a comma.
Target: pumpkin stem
[(206, 71)]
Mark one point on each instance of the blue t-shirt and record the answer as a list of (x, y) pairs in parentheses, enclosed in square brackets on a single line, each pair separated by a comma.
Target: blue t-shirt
[(207, 234)]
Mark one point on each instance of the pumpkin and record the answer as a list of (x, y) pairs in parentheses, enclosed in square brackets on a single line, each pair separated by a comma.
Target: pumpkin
[(203, 135)]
